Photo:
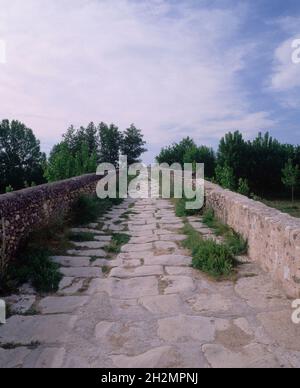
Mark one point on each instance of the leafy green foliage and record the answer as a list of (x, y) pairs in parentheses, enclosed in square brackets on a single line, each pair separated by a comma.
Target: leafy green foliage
[(260, 161), (208, 256), (133, 144), (290, 176), (118, 240), (9, 189), (88, 209), (81, 149), (21, 159), (235, 242), (232, 160), (75, 155), (110, 143), (34, 266), (215, 259), (176, 152), (187, 152), (204, 155), (284, 206), (243, 187), (225, 177), (260, 166), (182, 211)]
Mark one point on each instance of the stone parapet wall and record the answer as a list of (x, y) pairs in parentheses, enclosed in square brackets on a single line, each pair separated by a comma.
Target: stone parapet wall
[(23, 211), (273, 237)]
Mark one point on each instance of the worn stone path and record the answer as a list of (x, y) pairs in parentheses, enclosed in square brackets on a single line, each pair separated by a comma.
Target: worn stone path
[(152, 309)]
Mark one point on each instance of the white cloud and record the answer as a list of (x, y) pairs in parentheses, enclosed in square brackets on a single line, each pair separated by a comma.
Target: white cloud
[(171, 69), (286, 74)]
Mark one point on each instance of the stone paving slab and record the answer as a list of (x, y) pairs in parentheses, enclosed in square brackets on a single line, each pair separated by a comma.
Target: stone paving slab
[(82, 272), (60, 305), (50, 358), (281, 329), (86, 230), (173, 237), (250, 356), (103, 238), (87, 253), (172, 226), (163, 304), (183, 328), (135, 255), (165, 245), (178, 284), (20, 304), (36, 329), (168, 260), (128, 288), (14, 358), (70, 286), (90, 244), (137, 271), (68, 261), (144, 240), (129, 248), (163, 357)]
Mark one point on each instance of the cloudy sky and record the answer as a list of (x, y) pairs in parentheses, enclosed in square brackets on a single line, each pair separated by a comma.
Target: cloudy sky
[(174, 68)]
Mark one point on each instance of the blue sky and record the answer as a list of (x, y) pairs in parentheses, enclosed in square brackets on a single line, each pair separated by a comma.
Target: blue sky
[(174, 68)]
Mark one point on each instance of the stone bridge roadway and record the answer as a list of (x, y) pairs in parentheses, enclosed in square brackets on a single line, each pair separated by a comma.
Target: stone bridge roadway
[(152, 309)]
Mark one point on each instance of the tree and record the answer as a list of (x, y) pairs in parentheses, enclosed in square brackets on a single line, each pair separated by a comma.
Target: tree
[(133, 144), (85, 162), (225, 177), (290, 175), (204, 155), (74, 138), (267, 157), (243, 187), (61, 163), (233, 153), (21, 159), (176, 152), (110, 143), (81, 149)]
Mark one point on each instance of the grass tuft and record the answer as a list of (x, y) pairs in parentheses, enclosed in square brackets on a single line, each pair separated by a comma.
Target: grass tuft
[(208, 256), (88, 209), (182, 211), (37, 268), (118, 240), (234, 241)]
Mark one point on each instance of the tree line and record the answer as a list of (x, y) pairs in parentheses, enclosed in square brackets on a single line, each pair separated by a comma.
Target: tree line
[(23, 164), (261, 167)]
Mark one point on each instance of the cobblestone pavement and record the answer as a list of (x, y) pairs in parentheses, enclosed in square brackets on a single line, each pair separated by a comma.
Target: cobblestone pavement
[(152, 309)]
